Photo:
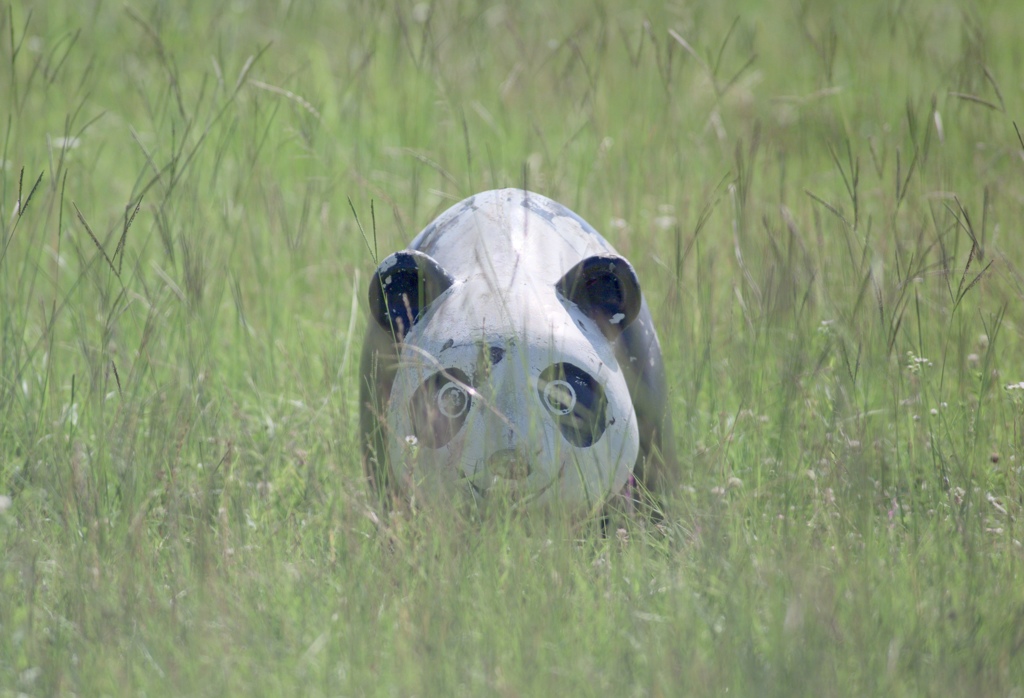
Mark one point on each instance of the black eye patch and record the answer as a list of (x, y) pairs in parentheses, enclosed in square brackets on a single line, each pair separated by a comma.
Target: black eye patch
[(576, 402), (440, 406)]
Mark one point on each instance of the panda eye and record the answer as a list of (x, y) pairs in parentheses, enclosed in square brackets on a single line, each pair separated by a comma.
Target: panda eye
[(576, 402), (559, 397), (452, 400), (439, 407)]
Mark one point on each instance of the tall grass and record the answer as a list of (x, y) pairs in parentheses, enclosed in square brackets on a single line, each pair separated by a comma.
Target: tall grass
[(821, 200)]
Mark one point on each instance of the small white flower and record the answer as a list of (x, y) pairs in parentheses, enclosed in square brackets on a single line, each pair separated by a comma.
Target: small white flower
[(420, 12), (664, 222), (61, 143)]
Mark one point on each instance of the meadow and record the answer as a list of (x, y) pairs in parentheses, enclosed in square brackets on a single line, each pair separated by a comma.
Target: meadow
[(823, 200)]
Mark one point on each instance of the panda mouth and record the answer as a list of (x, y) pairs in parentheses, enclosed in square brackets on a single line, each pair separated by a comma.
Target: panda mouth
[(515, 488)]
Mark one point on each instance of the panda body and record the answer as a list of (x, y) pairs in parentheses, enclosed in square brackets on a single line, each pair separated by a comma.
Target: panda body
[(512, 351)]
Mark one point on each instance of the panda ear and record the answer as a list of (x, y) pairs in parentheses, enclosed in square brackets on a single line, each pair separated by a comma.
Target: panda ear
[(606, 289), (401, 289)]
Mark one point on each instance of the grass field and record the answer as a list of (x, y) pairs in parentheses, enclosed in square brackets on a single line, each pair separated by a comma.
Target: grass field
[(824, 202)]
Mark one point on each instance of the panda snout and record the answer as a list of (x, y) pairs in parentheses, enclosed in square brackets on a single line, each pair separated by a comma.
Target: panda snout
[(509, 464)]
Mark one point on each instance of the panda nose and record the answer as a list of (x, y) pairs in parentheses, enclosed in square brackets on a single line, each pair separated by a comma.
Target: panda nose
[(509, 464)]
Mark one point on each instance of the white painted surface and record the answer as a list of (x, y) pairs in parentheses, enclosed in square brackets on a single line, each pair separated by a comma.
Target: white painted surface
[(506, 258)]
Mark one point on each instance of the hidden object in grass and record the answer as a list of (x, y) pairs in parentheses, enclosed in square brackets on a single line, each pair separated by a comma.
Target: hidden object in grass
[(510, 350)]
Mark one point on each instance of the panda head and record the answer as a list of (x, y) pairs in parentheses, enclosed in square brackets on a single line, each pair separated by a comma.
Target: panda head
[(511, 389)]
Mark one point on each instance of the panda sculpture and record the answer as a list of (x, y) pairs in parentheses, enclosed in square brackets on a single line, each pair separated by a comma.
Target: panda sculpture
[(510, 349)]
